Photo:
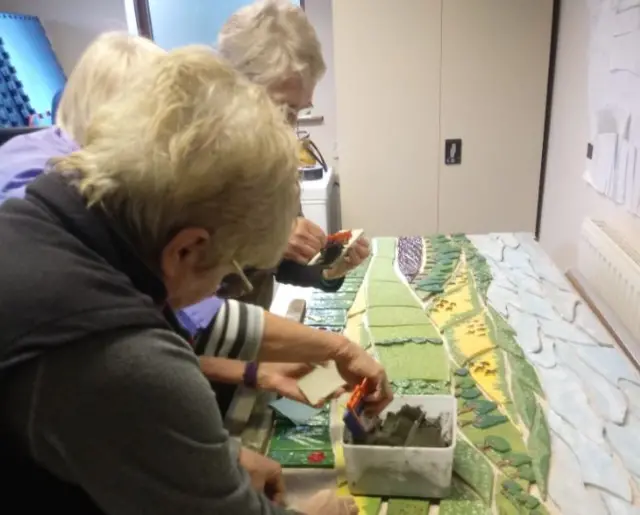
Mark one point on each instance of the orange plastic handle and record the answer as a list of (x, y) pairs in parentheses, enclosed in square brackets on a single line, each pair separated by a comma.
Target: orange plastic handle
[(358, 395), (339, 237)]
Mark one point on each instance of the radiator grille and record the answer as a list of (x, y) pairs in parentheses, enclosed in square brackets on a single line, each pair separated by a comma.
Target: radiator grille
[(611, 266)]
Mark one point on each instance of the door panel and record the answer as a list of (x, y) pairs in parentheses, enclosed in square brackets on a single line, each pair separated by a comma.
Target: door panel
[(387, 63), (495, 59)]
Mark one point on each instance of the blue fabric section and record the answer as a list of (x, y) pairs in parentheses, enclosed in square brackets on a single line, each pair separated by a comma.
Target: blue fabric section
[(201, 314), (25, 157), (186, 322), (20, 180)]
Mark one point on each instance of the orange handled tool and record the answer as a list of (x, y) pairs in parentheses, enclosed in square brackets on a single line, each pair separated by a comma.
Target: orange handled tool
[(341, 237), (353, 418)]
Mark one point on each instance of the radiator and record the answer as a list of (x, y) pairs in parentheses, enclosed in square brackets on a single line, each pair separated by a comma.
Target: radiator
[(611, 266)]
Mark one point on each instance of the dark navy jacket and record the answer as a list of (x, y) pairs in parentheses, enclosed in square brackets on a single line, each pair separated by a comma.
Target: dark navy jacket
[(66, 274)]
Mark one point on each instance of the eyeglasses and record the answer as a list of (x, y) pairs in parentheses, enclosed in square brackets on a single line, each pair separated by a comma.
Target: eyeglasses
[(292, 116), (243, 277), (292, 113), (236, 284)]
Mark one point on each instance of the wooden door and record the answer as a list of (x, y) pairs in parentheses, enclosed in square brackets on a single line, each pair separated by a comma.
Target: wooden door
[(495, 60), (387, 62)]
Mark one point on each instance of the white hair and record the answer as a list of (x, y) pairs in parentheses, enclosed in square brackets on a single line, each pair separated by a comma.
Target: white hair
[(271, 41), (193, 144), (103, 70)]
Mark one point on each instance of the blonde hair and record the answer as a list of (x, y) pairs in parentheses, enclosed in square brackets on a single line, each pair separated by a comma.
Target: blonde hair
[(103, 70), (204, 148), (271, 41)]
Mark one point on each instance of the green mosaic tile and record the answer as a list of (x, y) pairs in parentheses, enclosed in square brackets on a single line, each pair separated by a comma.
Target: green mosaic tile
[(474, 469), (420, 387), (540, 449), (327, 316), (282, 423), (523, 370), (504, 337), (339, 295), (478, 436), (407, 507), (396, 316), (368, 505), (311, 458), (329, 304), (415, 361), (385, 247), (460, 491), (524, 401), (349, 287), (506, 506), (406, 331), (448, 507), (360, 271), (389, 294), (301, 438), (382, 271)]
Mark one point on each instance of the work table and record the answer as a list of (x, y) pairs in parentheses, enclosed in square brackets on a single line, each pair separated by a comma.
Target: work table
[(511, 333)]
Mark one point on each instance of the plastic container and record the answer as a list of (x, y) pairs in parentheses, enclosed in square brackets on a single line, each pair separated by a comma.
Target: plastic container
[(419, 472)]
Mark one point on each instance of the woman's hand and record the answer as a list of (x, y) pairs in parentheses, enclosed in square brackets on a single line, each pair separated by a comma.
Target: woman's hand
[(265, 474), (326, 502), (355, 364), (353, 258), (282, 378), (306, 240)]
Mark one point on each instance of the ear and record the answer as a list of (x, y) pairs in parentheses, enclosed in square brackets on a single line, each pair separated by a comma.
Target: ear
[(183, 251)]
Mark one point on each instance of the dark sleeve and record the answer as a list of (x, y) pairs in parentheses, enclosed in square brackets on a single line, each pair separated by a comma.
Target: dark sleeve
[(133, 421), (290, 272)]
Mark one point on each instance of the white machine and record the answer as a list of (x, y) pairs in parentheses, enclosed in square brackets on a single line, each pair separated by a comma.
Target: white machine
[(321, 201)]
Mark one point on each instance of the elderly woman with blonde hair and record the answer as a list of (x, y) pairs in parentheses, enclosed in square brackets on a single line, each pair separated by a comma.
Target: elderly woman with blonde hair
[(105, 409), (273, 44), (226, 334)]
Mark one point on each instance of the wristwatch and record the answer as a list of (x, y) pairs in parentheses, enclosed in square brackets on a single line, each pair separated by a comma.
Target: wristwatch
[(250, 376)]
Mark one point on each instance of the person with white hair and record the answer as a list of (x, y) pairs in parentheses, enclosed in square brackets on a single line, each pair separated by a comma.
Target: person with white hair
[(104, 406), (227, 334), (274, 45)]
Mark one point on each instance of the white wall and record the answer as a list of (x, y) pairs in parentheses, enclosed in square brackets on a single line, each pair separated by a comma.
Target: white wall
[(567, 197), (324, 133), (72, 24)]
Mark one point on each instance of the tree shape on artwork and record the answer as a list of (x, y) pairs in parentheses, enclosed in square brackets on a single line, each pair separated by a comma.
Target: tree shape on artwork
[(478, 406), (485, 421), (497, 443)]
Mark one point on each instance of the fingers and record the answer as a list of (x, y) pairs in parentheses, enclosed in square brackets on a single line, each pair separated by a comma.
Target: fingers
[(315, 231), (301, 251), (355, 364), (357, 254), (275, 488), (362, 248), (334, 395), (291, 390), (350, 506), (380, 398), (311, 234), (326, 502)]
